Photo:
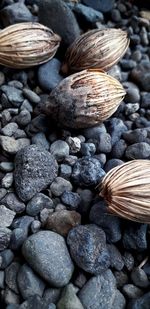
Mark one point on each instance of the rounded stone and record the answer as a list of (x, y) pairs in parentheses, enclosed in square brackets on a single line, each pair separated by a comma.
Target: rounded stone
[(59, 149), (35, 169), (88, 248), (47, 253), (59, 185)]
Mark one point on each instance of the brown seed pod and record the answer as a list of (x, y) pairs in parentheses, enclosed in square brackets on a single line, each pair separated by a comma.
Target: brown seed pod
[(126, 189), (99, 49), (27, 44), (84, 99)]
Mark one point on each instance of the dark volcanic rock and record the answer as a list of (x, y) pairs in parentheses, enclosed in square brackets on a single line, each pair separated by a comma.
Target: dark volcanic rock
[(100, 5), (88, 248), (35, 169), (15, 13)]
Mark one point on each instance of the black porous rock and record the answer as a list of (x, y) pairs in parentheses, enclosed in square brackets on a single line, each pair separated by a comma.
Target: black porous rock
[(101, 292), (116, 260), (115, 127), (138, 151), (139, 278), (141, 75), (15, 13), (18, 237), (5, 235), (37, 203), (12, 202), (87, 172), (100, 5), (7, 257), (134, 236), (59, 17), (88, 248), (35, 169), (109, 223), (135, 136), (71, 199), (29, 283), (112, 163), (86, 14), (47, 253), (141, 302)]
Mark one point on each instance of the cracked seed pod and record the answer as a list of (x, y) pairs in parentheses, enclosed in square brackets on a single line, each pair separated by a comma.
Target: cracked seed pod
[(84, 99), (99, 49), (27, 44), (126, 189)]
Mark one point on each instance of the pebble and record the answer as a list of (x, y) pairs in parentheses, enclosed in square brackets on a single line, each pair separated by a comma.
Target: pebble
[(2, 193), (38, 202), (100, 5), (18, 237), (11, 273), (59, 185), (10, 297), (2, 279), (29, 283), (23, 118), (88, 149), (131, 108), (22, 222), (116, 127), (86, 14), (118, 149), (35, 169), (116, 16), (127, 64), (53, 20), (6, 216), (141, 302), (87, 171), (69, 299), (87, 244), (74, 144), (134, 237), (7, 180), (145, 99), (121, 278), (26, 105), (71, 199), (39, 139), (138, 151), (35, 226), (47, 253), (15, 13), (31, 96), (48, 75), (112, 163), (13, 94), (128, 260), (12, 146), (116, 260), (131, 291), (59, 149), (65, 171), (7, 257), (6, 166), (86, 196), (104, 143), (135, 136), (62, 221), (109, 223), (12, 202), (141, 75), (52, 295), (93, 133), (132, 92), (5, 235), (100, 292), (9, 129), (140, 278), (19, 134)]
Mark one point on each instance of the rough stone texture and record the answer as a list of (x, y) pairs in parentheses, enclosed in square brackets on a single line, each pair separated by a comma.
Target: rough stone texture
[(11, 273), (29, 283), (141, 75), (62, 221), (87, 172), (5, 235), (100, 5), (59, 185), (141, 302), (15, 13), (100, 291), (38, 202), (88, 248), (48, 74), (35, 169), (138, 151), (12, 202), (56, 13), (47, 254), (6, 216), (69, 299), (134, 236), (11, 145)]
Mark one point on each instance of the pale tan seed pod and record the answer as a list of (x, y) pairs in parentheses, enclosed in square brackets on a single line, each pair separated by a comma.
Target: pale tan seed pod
[(27, 44), (145, 14), (126, 189), (96, 48), (84, 99)]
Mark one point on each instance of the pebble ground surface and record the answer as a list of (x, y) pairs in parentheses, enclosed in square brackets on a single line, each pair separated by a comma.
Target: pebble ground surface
[(59, 246)]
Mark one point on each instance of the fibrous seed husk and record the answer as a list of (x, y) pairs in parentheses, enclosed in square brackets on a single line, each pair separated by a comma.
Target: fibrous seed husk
[(84, 99), (96, 48), (126, 189), (27, 44)]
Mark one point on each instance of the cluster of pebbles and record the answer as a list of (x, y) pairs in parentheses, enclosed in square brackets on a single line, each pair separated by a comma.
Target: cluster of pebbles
[(59, 247)]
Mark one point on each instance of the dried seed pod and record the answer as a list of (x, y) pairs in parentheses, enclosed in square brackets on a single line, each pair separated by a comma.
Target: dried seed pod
[(145, 14), (27, 44), (99, 49), (84, 99), (126, 189)]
